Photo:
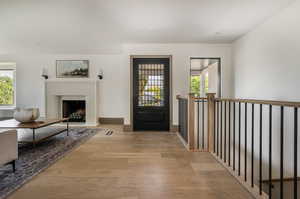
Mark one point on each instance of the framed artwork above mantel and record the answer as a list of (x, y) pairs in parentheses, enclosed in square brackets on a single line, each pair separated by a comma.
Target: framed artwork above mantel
[(72, 68)]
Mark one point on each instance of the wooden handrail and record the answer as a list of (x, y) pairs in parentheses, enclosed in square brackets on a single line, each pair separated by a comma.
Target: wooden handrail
[(266, 102), (181, 97), (200, 98), (192, 97), (278, 180), (251, 101)]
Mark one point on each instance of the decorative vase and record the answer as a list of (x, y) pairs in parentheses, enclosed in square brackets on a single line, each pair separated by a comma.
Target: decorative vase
[(24, 115)]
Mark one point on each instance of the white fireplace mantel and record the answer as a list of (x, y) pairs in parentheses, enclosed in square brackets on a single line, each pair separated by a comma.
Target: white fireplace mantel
[(72, 80), (56, 89)]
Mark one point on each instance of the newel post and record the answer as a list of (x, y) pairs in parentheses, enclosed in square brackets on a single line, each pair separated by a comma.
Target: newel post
[(191, 122), (210, 120)]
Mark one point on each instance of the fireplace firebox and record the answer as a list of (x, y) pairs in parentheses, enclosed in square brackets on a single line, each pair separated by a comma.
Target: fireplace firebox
[(75, 110)]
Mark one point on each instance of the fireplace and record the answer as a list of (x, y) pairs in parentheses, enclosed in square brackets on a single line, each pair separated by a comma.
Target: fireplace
[(75, 110), (84, 89)]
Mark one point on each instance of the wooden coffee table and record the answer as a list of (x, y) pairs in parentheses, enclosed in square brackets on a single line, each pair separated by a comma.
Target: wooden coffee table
[(13, 124)]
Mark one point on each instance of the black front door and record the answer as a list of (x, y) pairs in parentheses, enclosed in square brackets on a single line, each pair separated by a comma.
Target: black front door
[(151, 109)]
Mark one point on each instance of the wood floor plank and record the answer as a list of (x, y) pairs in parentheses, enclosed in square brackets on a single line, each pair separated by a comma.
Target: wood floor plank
[(140, 165)]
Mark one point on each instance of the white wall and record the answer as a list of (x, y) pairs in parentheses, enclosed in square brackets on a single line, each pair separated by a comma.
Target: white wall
[(115, 87), (30, 84), (267, 66), (181, 54), (266, 60)]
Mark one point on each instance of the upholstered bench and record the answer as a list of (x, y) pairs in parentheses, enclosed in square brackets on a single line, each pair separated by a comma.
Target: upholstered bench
[(8, 147)]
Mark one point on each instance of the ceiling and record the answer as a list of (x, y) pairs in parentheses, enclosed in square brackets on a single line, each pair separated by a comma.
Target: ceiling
[(88, 25)]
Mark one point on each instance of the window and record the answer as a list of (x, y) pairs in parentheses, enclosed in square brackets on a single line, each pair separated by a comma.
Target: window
[(196, 85), (7, 86), (205, 76)]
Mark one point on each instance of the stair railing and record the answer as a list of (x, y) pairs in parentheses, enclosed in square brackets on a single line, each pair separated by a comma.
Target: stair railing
[(242, 135)]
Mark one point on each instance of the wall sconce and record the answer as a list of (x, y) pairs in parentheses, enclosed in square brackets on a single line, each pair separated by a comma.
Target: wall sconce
[(100, 74), (45, 73)]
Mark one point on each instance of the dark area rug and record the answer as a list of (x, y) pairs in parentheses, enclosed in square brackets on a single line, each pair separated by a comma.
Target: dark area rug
[(34, 160)]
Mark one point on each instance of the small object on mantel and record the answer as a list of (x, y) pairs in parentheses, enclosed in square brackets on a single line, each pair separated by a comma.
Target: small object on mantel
[(45, 73), (100, 74)]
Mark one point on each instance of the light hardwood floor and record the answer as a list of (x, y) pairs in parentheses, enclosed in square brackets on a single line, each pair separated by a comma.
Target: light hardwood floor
[(141, 165)]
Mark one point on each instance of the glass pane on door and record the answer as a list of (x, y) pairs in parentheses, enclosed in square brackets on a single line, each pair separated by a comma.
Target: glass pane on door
[(151, 85)]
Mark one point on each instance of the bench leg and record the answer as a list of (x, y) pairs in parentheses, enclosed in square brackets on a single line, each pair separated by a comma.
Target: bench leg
[(33, 138), (68, 128), (13, 164)]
